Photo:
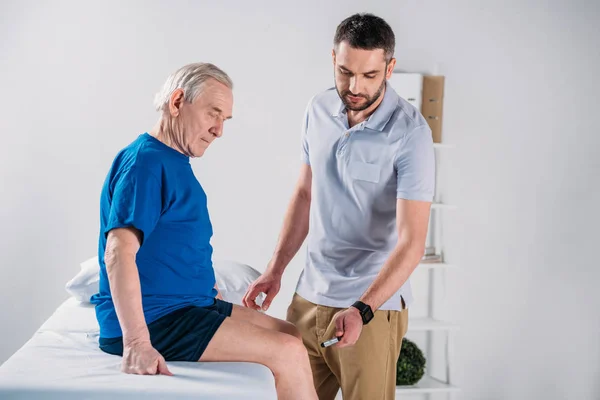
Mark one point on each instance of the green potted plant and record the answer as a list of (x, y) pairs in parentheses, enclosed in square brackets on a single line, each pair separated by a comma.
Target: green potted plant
[(411, 364)]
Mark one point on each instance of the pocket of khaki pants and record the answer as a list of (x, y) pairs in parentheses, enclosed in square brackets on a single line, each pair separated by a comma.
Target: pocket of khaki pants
[(392, 319)]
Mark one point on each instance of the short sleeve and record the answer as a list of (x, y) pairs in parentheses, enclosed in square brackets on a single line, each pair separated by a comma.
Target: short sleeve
[(304, 156), (415, 166), (136, 202)]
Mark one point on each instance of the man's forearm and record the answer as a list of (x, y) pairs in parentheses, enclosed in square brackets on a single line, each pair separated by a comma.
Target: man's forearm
[(126, 292), (293, 232), (394, 273)]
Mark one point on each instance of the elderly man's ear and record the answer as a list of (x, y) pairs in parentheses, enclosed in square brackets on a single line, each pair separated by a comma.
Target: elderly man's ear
[(175, 102)]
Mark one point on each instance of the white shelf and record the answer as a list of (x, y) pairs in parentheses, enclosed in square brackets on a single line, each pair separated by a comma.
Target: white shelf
[(429, 324), (427, 384), (437, 265), (443, 146), (441, 206)]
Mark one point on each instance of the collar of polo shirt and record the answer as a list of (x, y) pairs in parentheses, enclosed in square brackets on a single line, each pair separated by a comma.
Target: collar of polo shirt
[(380, 117)]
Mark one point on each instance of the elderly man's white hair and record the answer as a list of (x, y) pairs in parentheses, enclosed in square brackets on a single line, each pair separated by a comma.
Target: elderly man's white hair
[(190, 78)]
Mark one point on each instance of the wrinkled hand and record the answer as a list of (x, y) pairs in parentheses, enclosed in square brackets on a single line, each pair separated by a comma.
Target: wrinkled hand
[(143, 359), (269, 284), (348, 324)]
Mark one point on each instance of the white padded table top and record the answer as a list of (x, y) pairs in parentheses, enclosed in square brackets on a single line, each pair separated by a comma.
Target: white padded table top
[(62, 361)]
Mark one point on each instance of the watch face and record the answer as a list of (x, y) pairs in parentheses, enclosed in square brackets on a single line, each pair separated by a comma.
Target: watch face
[(365, 311)]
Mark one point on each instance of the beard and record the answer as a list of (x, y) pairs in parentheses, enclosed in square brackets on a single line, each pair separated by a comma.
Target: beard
[(369, 99)]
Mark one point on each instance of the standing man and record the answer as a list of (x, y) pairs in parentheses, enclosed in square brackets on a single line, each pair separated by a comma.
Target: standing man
[(365, 190)]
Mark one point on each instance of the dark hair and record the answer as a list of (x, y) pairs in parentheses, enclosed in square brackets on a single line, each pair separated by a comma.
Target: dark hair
[(367, 32)]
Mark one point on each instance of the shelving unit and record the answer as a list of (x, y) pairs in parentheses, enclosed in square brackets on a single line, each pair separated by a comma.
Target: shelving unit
[(437, 265), (430, 385), (430, 324), (443, 146), (441, 206), (427, 385)]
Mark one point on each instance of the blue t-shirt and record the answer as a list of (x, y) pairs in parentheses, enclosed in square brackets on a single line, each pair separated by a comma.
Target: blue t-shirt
[(152, 187)]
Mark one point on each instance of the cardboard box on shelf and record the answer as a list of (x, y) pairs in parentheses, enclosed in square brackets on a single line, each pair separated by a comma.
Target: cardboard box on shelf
[(432, 106), (426, 93)]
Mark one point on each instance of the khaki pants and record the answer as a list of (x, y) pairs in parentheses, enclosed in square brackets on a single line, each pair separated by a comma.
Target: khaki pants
[(365, 371)]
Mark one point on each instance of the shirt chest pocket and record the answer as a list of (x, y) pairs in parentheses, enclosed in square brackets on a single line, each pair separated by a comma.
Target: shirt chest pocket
[(364, 171)]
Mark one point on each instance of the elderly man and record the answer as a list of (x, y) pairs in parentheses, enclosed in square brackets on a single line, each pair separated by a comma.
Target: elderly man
[(158, 299), (363, 199)]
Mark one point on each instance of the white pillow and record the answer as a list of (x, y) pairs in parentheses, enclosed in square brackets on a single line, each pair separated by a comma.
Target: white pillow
[(233, 279), (85, 284)]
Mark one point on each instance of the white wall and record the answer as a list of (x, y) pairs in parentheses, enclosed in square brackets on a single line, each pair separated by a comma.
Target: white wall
[(521, 95)]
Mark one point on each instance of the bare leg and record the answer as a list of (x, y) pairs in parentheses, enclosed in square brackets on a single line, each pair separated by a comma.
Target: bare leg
[(282, 353), (264, 321)]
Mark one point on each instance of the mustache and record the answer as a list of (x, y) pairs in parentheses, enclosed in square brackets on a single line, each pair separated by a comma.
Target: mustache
[(349, 93)]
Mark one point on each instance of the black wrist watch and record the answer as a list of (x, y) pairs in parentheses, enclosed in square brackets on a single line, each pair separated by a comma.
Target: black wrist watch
[(365, 311)]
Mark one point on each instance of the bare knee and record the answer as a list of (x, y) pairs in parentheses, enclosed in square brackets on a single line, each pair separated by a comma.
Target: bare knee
[(292, 330), (296, 349), (290, 351)]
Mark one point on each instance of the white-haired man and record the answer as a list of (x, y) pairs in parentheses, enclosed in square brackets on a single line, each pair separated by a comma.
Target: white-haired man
[(158, 299)]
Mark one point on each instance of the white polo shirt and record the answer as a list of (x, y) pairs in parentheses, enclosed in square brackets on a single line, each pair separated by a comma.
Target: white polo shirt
[(357, 175)]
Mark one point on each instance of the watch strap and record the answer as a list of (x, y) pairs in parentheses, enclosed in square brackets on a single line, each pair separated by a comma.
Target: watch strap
[(365, 311)]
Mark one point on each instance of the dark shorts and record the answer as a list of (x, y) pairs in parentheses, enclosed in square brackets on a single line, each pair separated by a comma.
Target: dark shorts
[(181, 335)]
